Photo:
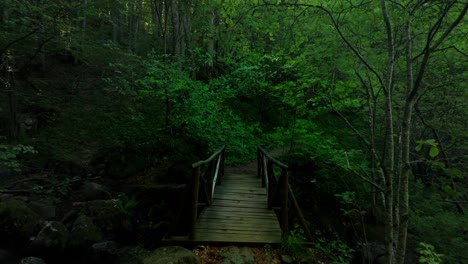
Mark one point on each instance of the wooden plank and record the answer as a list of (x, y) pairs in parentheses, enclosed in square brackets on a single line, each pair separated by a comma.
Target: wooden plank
[(232, 237), (242, 205), (234, 214), (238, 213), (256, 222), (210, 227)]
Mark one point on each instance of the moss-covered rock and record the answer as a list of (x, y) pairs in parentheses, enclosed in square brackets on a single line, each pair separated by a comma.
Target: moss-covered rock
[(84, 232), (52, 237), (174, 255), (17, 223), (109, 216)]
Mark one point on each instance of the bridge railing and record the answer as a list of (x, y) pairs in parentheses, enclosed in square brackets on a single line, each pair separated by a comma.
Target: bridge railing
[(205, 182), (279, 192)]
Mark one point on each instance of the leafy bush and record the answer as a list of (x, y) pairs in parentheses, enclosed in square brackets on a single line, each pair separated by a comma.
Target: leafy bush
[(337, 251), (428, 255), (9, 156), (294, 243)]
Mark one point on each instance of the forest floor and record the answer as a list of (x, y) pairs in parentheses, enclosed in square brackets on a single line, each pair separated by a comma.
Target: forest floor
[(213, 255)]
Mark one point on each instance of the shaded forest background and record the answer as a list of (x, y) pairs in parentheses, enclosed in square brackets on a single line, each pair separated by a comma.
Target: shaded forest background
[(126, 88)]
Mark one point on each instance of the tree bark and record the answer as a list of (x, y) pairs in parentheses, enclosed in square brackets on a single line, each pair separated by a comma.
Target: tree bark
[(389, 154), (176, 29), (405, 150), (115, 18)]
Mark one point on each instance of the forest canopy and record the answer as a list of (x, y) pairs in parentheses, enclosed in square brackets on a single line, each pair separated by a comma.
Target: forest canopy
[(370, 94)]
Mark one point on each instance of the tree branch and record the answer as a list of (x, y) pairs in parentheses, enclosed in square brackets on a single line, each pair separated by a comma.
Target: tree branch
[(430, 48), (451, 27)]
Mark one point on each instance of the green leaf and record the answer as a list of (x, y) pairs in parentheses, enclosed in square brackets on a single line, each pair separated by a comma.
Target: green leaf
[(418, 147), (433, 152)]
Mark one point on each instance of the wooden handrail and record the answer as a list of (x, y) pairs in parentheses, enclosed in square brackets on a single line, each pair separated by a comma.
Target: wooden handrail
[(277, 162), (279, 189), (210, 178)]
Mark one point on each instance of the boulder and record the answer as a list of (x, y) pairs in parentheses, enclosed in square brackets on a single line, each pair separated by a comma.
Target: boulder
[(52, 238), (112, 217), (373, 253), (31, 260), (94, 191), (105, 214), (172, 255), (44, 210), (84, 233), (287, 259), (104, 252), (17, 223), (6, 257), (235, 255)]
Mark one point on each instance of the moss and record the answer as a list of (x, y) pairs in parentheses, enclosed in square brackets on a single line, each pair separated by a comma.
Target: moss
[(17, 222)]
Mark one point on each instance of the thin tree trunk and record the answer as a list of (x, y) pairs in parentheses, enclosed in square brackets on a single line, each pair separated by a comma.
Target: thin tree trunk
[(405, 158), (176, 29), (115, 18), (137, 22), (11, 94), (389, 154)]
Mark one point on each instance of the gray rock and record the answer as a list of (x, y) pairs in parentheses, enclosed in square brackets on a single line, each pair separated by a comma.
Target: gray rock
[(53, 237), (84, 232), (287, 259), (105, 214), (31, 260), (94, 191), (171, 255), (235, 255), (373, 253), (104, 252), (46, 211), (6, 257), (17, 222)]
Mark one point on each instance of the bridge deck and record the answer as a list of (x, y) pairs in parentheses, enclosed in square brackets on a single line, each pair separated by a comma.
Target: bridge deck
[(238, 213)]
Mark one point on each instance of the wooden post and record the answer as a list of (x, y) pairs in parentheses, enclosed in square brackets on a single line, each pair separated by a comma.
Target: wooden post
[(195, 191), (299, 213), (284, 189), (221, 168), (259, 166), (211, 170)]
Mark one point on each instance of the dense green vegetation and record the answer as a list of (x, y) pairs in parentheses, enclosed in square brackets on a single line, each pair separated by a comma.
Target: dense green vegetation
[(367, 97)]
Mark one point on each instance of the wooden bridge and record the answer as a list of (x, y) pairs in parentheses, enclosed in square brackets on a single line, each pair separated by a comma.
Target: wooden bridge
[(241, 207)]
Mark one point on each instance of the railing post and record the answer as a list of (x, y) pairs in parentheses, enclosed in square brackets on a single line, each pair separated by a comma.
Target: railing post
[(259, 166), (266, 171), (195, 191), (221, 169), (284, 189)]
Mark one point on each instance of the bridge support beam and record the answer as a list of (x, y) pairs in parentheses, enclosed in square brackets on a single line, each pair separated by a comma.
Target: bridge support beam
[(195, 192), (284, 194)]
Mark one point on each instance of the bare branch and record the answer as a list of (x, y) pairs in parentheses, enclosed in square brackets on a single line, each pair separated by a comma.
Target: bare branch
[(378, 187), (430, 48), (451, 27)]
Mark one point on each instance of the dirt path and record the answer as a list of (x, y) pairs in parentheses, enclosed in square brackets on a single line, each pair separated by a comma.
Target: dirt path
[(213, 255)]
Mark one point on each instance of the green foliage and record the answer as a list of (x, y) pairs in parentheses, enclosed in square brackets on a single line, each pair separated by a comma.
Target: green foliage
[(433, 147), (437, 222), (137, 252), (124, 204), (337, 251), (428, 255), (294, 244), (9, 155)]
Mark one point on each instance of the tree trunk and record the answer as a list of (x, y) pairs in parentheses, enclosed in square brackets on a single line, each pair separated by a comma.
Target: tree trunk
[(389, 153), (405, 150), (115, 18), (176, 29)]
